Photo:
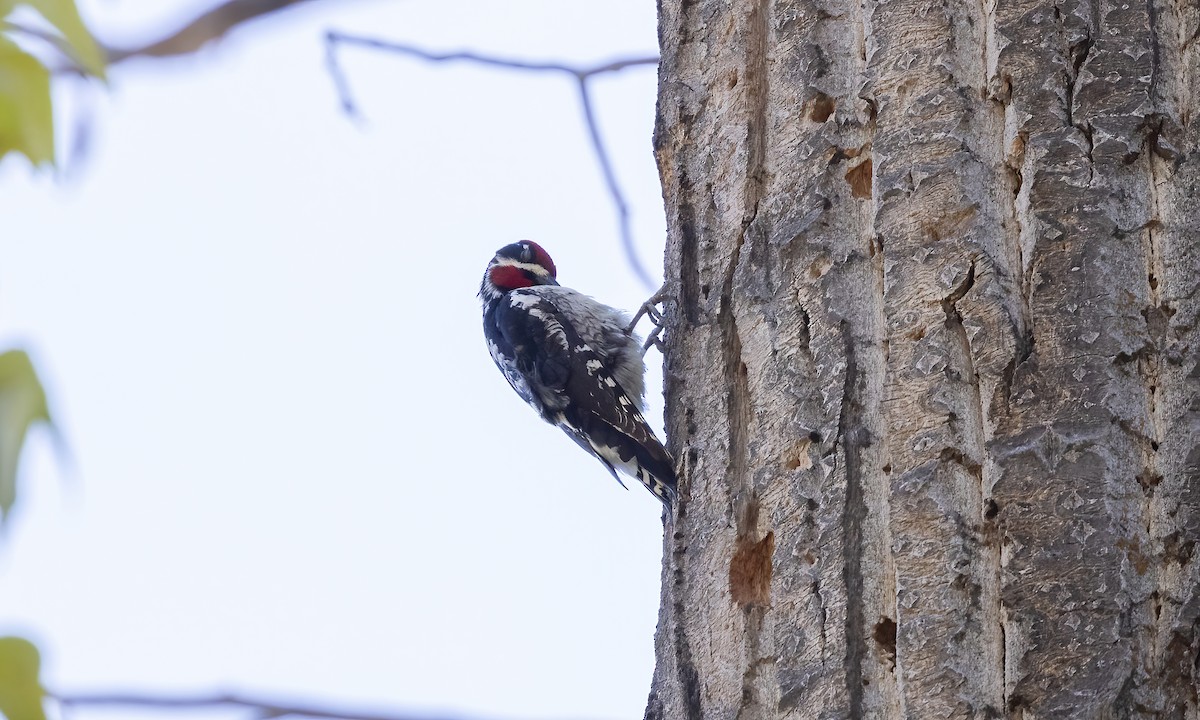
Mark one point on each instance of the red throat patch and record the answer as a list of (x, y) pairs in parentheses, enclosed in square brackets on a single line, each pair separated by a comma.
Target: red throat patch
[(507, 277)]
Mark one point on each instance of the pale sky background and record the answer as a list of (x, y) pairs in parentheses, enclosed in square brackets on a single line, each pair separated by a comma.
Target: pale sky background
[(296, 471)]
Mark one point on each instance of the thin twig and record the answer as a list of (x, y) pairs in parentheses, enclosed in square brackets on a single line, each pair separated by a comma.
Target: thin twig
[(263, 707), (203, 29), (335, 37), (582, 75), (210, 25), (614, 187)]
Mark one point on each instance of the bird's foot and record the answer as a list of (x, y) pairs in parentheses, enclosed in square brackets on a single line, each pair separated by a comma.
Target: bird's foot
[(653, 339), (650, 310)]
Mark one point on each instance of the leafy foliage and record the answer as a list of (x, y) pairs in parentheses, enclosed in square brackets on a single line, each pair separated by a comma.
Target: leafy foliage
[(80, 45), (26, 119), (26, 123), (22, 403), (21, 691), (27, 127)]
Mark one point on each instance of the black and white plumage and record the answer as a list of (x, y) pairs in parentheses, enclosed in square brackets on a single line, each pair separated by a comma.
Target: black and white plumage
[(573, 361)]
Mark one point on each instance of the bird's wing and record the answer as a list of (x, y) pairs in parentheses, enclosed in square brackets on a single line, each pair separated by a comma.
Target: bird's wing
[(573, 388), (532, 350)]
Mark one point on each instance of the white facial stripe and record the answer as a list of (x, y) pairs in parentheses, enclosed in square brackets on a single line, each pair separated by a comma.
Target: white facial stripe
[(528, 267)]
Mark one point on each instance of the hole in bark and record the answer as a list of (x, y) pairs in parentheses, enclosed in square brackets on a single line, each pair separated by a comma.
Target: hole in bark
[(1134, 555), (733, 79), (841, 153), (820, 266), (1026, 346), (859, 177), (1153, 282), (814, 436), (797, 458), (990, 509), (1177, 549), (1158, 319), (887, 468), (823, 107), (1158, 146), (704, 290), (885, 635), (750, 571), (1154, 445)]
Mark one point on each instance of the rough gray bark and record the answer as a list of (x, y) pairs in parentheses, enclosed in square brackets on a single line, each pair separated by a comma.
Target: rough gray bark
[(932, 374)]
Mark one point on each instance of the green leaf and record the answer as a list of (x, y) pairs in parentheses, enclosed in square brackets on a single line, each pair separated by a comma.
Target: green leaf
[(22, 403), (26, 122), (63, 15), (21, 692)]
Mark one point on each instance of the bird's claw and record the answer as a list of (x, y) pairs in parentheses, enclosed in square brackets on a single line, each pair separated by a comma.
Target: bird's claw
[(653, 339), (650, 310)]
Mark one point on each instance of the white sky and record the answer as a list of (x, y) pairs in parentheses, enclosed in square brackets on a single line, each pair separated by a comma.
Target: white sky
[(296, 471)]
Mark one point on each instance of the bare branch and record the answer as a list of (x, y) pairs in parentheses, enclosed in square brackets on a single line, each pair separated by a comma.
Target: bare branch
[(614, 187), (582, 75), (263, 707), (203, 29), (334, 37), (220, 20)]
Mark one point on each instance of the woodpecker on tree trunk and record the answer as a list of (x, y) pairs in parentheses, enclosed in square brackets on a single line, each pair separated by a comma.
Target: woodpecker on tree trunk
[(574, 361)]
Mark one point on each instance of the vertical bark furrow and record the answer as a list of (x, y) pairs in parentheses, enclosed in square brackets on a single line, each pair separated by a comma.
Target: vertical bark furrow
[(697, 590), (724, 112), (853, 293), (801, 282), (941, 213), (740, 408), (851, 438), (1088, 213), (1172, 317), (760, 686), (687, 674), (758, 98), (1173, 325)]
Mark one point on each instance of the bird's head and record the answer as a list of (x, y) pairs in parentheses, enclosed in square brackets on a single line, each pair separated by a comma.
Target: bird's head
[(521, 264)]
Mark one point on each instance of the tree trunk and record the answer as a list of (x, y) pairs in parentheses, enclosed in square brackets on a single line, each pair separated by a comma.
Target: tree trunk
[(932, 376)]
